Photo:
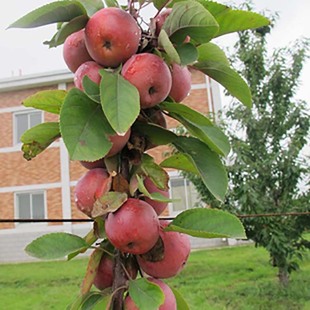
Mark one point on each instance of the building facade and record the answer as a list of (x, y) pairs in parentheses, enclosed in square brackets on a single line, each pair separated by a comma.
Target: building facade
[(43, 187)]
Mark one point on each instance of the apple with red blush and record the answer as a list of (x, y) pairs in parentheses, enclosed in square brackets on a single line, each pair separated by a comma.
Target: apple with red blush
[(89, 68), (176, 250), (112, 36), (74, 50), (158, 206), (150, 75), (181, 82), (133, 228), (91, 186)]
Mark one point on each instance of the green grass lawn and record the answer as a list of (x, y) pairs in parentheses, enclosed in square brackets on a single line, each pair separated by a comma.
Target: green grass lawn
[(226, 278)]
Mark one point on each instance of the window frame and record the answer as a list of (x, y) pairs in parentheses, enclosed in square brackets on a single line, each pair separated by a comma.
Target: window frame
[(176, 174), (27, 112), (16, 206)]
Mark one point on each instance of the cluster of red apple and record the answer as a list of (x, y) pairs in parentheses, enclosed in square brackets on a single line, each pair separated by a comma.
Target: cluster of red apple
[(135, 228)]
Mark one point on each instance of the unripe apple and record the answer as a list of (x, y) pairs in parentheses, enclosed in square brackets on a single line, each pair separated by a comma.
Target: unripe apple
[(181, 82), (89, 68), (176, 251), (169, 303), (158, 206), (133, 228), (74, 50), (104, 276), (92, 185), (118, 142), (150, 75), (112, 36)]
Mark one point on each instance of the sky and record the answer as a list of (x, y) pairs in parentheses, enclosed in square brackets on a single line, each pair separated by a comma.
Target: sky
[(23, 51)]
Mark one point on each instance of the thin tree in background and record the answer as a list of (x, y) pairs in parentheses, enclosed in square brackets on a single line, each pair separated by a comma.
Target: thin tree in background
[(267, 169)]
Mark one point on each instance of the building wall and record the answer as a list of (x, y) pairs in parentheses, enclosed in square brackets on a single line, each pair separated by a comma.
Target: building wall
[(52, 171)]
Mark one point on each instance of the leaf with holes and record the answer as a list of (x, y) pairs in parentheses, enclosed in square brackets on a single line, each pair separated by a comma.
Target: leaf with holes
[(36, 139)]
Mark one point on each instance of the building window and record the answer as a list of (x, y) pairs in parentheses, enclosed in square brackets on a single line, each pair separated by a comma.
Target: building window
[(184, 193), (30, 205), (24, 121)]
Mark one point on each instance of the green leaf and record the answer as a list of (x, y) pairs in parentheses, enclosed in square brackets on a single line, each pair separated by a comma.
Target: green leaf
[(120, 101), (84, 127), (199, 126), (180, 161), (91, 89), (92, 300), (159, 4), (207, 163), (227, 77), (155, 133), (230, 20), (111, 3), (163, 41), (109, 202), (145, 294), (157, 174), (181, 303), (36, 139), (92, 6), (90, 238), (55, 245), (46, 100), (55, 12), (210, 51), (207, 223), (188, 53), (91, 271), (189, 18), (154, 196), (66, 29)]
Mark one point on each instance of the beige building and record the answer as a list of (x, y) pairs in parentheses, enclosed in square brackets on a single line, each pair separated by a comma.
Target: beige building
[(43, 187)]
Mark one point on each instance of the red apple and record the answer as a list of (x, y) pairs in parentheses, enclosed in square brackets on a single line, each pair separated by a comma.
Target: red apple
[(89, 68), (93, 164), (134, 227), (112, 36), (158, 206), (104, 276), (169, 303), (105, 273), (181, 82), (160, 19), (74, 50), (150, 75), (118, 142), (156, 116), (176, 251), (92, 185)]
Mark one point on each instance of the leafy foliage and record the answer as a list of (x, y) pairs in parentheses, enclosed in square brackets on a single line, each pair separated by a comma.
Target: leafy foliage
[(89, 119), (267, 165)]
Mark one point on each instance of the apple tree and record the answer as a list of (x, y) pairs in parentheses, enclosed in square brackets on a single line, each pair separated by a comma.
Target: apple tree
[(130, 75)]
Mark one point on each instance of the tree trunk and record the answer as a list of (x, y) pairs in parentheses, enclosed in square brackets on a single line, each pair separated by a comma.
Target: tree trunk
[(283, 276)]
